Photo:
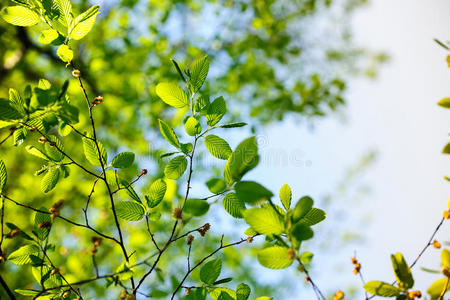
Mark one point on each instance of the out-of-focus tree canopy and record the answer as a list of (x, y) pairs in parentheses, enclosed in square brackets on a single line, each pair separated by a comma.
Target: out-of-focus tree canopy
[(270, 59)]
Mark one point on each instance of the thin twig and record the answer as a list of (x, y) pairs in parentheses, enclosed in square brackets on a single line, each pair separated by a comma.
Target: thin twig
[(6, 288)]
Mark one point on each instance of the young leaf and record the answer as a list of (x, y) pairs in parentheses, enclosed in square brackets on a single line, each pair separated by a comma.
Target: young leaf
[(252, 192), (216, 185), (65, 53), (242, 292), (20, 16), (168, 133), (242, 160), (303, 206), (233, 205), (172, 95), (286, 196), (22, 255), (306, 257), (91, 151), (129, 210), (445, 102), (217, 292), (40, 218), (36, 152), (232, 125), (176, 167), (196, 207), (216, 110), (17, 101), (382, 289), (435, 290), (275, 257), (123, 160), (218, 147), (64, 8), (50, 180), (84, 23), (402, 271), (52, 151), (156, 193), (211, 271), (264, 220), (446, 149), (445, 257), (47, 36), (192, 126), (302, 232), (199, 71), (7, 112), (3, 175), (314, 216)]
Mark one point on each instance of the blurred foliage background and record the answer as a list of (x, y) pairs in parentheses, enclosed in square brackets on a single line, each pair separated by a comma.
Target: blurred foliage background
[(269, 59)]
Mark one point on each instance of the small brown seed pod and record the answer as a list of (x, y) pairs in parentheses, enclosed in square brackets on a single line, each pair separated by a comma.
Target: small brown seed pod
[(177, 212), (190, 239)]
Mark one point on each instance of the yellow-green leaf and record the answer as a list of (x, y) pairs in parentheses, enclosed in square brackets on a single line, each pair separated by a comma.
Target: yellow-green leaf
[(65, 53), (275, 257), (172, 94), (20, 16)]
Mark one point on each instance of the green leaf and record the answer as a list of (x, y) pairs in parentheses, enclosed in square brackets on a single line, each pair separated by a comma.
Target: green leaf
[(50, 180), (22, 255), (210, 271), (7, 112), (216, 185), (313, 217), (39, 218), (218, 147), (168, 133), (47, 36), (233, 205), (446, 149), (176, 167), (65, 53), (156, 193), (84, 23), (36, 152), (123, 160), (172, 95), (123, 184), (20, 16), (303, 206), (216, 110), (445, 102), (445, 256), (52, 151), (382, 289), (64, 8), (91, 151), (242, 292), (196, 207), (44, 84), (252, 192), (3, 175), (286, 196), (215, 293), (199, 71), (19, 136), (232, 125), (192, 126), (306, 257), (264, 220), (275, 257), (436, 289), (28, 292), (402, 271), (129, 210), (225, 296), (302, 232), (17, 101), (242, 160)]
